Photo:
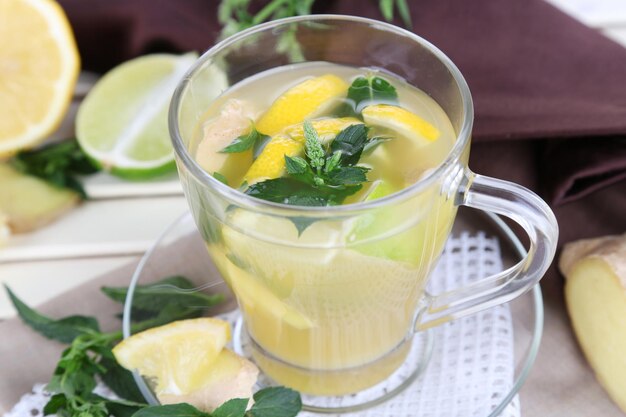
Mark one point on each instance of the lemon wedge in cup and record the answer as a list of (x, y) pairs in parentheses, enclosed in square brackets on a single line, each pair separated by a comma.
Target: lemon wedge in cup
[(401, 121), (122, 123), (39, 64), (307, 100)]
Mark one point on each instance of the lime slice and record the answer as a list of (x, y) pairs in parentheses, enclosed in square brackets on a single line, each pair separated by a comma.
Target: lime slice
[(122, 123)]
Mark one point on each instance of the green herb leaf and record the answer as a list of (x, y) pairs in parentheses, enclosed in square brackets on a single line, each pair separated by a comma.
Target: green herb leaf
[(172, 410), (365, 91), (386, 9), (64, 330), (58, 164), (168, 292), (296, 165), (120, 409), (351, 175), (372, 143), (243, 142), (220, 177), (231, 408), (350, 142), (405, 13), (332, 162), (275, 402), (287, 191), (55, 403), (119, 379)]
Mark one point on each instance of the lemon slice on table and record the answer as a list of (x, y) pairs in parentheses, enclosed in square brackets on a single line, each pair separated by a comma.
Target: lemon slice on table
[(122, 123), (307, 100), (39, 64), (178, 355), (271, 162), (402, 121)]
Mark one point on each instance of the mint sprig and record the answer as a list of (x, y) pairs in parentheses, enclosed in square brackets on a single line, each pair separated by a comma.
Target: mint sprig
[(323, 177), (89, 355)]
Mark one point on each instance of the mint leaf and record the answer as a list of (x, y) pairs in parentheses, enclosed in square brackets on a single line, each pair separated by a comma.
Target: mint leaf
[(168, 292), (243, 142), (296, 165), (220, 177), (370, 90), (275, 402), (332, 162), (172, 410), (63, 330), (372, 143), (56, 402), (313, 146), (350, 142), (58, 164), (120, 408), (287, 191), (231, 408), (118, 379), (351, 175)]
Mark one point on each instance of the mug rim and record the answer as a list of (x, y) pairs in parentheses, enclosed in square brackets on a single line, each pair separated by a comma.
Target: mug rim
[(245, 201)]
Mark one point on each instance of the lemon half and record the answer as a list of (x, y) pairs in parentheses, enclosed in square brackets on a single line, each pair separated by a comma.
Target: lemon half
[(39, 64)]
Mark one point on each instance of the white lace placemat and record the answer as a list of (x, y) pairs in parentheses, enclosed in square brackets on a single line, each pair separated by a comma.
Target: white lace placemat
[(472, 366)]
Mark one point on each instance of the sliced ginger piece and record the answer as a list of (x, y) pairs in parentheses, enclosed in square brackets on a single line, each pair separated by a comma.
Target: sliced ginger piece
[(595, 292), (29, 202), (230, 376)]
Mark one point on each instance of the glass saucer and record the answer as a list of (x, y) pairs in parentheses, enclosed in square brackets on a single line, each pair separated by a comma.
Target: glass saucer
[(181, 251)]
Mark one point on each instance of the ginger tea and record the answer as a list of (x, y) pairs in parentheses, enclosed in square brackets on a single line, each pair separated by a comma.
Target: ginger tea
[(328, 303)]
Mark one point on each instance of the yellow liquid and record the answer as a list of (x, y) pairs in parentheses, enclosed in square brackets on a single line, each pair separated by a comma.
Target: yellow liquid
[(331, 309)]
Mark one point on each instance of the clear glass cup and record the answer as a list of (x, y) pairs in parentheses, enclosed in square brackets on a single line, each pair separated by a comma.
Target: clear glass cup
[(326, 311)]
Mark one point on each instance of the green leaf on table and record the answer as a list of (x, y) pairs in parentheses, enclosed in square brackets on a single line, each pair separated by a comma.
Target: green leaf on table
[(370, 90), (120, 380), (244, 142), (63, 330), (350, 142), (168, 292), (275, 402), (57, 163), (171, 410), (120, 408), (56, 402), (232, 408)]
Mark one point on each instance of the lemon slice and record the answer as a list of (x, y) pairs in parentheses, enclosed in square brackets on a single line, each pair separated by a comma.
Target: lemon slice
[(271, 162), (39, 64), (122, 123), (309, 99), (178, 355), (402, 121)]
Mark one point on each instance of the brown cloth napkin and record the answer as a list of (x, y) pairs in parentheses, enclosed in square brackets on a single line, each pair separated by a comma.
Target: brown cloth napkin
[(549, 92)]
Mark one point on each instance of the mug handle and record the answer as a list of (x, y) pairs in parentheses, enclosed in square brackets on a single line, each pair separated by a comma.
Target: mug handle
[(529, 211)]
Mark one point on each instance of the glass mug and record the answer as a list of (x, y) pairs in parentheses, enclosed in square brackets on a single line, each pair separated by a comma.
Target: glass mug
[(327, 309)]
